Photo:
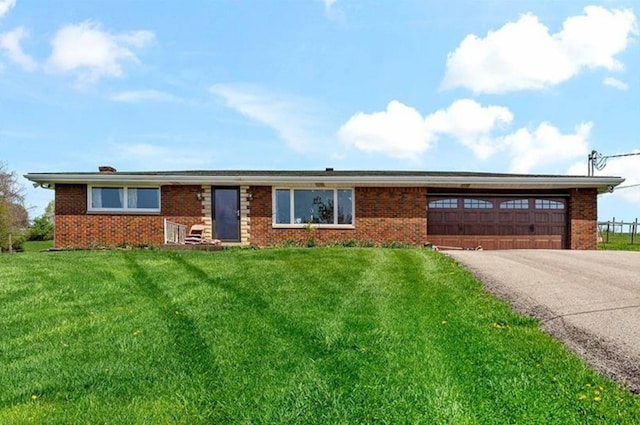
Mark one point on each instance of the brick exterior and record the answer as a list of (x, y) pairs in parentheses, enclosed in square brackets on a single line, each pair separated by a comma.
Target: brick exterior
[(583, 217), (75, 228), (382, 215)]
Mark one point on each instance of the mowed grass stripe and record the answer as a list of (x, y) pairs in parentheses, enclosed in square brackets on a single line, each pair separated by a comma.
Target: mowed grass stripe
[(323, 335)]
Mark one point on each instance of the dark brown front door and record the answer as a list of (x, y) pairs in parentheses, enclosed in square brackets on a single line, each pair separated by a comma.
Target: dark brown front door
[(226, 213), (497, 222)]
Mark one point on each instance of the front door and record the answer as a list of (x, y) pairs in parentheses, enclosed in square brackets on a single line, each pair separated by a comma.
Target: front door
[(226, 213)]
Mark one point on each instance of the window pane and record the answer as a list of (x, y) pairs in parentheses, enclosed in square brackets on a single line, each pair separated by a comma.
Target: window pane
[(283, 207), (345, 206), (477, 203), (515, 204), (444, 203), (106, 197), (313, 206), (547, 204), (143, 198)]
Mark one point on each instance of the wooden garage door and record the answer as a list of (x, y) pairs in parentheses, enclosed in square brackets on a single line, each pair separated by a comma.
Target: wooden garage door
[(497, 222)]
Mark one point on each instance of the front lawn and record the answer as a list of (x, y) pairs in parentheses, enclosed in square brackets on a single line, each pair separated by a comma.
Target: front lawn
[(323, 335), (619, 242)]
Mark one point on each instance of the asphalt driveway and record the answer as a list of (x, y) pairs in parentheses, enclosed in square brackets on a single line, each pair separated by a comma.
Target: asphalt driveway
[(588, 299)]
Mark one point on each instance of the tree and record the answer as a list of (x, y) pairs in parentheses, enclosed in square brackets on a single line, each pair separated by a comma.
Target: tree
[(42, 227), (50, 210), (13, 215)]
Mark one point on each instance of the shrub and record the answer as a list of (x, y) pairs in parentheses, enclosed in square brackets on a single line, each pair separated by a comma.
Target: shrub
[(41, 230)]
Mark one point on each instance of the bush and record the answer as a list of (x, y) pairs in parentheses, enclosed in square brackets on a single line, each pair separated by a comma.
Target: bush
[(41, 230), (17, 242)]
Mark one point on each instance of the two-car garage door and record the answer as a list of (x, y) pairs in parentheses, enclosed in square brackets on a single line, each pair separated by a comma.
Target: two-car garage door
[(497, 222)]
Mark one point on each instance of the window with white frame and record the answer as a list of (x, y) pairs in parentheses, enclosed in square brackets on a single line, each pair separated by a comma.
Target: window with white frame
[(328, 207), (125, 199)]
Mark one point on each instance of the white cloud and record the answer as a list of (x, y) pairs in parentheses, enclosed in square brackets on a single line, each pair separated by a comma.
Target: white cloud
[(399, 132), (10, 43), (615, 83), (545, 145), (293, 118), (136, 96), (93, 53), (5, 6), (471, 124), (332, 11), (523, 55)]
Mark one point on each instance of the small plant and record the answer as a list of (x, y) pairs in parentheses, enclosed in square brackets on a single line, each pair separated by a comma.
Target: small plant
[(290, 243), (394, 245), (350, 243), (310, 230)]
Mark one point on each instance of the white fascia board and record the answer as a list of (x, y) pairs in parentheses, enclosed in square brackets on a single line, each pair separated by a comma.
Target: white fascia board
[(451, 181)]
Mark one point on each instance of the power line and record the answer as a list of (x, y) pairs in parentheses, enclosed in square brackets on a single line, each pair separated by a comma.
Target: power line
[(597, 161), (628, 186)]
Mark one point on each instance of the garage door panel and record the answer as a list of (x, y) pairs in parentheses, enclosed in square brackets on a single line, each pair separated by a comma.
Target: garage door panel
[(480, 221)]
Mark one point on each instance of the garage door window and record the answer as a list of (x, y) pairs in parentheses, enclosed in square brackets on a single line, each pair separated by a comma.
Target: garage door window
[(547, 204), (477, 203), (444, 203), (515, 204)]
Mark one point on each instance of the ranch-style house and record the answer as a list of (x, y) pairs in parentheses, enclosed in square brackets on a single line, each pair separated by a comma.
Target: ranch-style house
[(268, 208)]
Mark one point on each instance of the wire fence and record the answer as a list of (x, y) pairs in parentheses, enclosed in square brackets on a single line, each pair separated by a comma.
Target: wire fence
[(610, 229)]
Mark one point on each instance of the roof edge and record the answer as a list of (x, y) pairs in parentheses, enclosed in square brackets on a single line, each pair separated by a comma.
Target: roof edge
[(405, 179)]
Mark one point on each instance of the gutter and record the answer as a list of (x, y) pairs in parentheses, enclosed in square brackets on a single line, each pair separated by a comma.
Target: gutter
[(603, 184)]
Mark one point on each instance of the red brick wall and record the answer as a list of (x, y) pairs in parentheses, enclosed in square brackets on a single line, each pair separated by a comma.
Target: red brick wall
[(382, 215), (583, 219), (75, 228)]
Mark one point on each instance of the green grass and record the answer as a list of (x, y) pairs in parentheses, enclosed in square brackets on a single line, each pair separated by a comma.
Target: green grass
[(619, 242), (323, 335), (37, 246)]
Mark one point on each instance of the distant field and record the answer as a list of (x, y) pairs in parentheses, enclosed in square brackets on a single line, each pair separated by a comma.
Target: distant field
[(279, 336), (620, 242)]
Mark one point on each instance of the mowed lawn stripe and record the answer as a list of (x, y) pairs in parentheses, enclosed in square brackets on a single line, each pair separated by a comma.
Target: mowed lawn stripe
[(323, 335)]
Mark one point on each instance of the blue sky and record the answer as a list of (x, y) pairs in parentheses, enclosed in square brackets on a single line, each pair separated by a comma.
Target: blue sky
[(499, 86)]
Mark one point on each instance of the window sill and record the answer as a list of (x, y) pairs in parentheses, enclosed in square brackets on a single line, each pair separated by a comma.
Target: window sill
[(314, 226), (123, 212)]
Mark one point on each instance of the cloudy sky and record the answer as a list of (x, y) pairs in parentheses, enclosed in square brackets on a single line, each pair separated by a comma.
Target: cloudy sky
[(499, 86)]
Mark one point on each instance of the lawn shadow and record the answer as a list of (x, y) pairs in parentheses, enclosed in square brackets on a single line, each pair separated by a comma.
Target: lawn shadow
[(302, 338), (190, 346)]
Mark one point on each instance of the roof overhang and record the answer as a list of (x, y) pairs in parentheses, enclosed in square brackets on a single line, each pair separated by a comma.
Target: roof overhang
[(313, 179)]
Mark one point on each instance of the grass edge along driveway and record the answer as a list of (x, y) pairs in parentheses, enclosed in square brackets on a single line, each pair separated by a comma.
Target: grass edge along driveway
[(323, 335)]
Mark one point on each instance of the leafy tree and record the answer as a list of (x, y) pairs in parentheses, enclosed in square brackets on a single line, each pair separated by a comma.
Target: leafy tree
[(49, 210), (41, 229), (14, 218)]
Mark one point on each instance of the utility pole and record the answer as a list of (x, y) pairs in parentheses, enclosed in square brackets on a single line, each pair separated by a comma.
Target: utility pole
[(597, 161)]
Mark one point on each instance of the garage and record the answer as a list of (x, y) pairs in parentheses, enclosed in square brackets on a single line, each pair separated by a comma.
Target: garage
[(497, 221)]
